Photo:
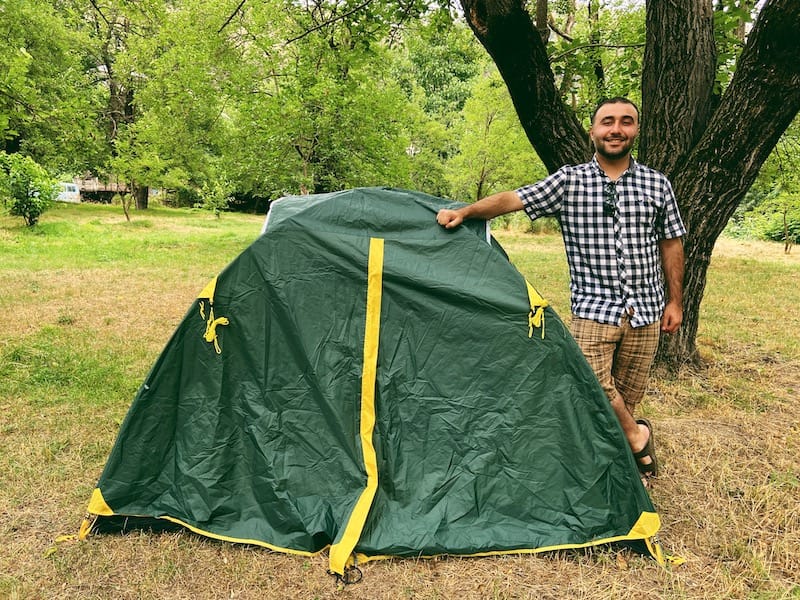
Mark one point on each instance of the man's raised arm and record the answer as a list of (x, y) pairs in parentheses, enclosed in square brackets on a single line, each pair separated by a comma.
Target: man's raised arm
[(486, 208)]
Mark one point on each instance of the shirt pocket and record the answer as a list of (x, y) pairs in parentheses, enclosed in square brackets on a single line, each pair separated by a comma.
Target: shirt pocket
[(648, 210), (644, 215)]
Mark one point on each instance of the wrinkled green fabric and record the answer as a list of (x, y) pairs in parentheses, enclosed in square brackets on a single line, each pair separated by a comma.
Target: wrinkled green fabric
[(487, 439)]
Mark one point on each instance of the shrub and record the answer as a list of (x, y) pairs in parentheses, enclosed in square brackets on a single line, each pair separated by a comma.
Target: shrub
[(779, 231), (776, 218), (26, 188)]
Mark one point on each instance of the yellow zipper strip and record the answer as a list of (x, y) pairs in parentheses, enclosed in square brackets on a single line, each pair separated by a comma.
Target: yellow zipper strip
[(341, 552)]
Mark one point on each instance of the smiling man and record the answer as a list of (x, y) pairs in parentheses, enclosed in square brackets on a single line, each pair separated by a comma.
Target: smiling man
[(623, 237)]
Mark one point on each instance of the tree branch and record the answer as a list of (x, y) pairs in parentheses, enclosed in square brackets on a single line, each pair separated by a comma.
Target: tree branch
[(506, 30), (100, 12), (328, 22), (551, 23), (16, 100), (558, 57), (238, 8)]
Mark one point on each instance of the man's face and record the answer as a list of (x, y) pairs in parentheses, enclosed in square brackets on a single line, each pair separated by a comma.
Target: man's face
[(614, 129)]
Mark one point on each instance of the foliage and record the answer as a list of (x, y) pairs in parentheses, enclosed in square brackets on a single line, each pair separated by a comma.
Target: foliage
[(776, 218), (430, 145), (281, 97), (47, 99), (731, 17), (440, 60), (771, 209), (216, 196), (783, 213), (26, 188), (313, 113), (596, 53), (494, 154), (436, 67)]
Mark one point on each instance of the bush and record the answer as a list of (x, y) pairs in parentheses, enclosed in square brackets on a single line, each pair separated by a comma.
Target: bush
[(26, 188), (777, 231), (777, 218)]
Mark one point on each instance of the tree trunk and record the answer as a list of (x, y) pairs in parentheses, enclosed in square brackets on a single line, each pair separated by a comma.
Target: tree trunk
[(505, 29), (541, 20), (758, 106), (593, 7), (679, 55), (141, 195), (711, 148)]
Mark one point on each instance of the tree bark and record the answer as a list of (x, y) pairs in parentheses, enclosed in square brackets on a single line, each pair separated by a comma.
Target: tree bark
[(541, 20), (678, 76), (761, 101), (140, 194)]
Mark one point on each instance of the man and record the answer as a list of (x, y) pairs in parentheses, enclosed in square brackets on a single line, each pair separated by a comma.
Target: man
[(623, 237)]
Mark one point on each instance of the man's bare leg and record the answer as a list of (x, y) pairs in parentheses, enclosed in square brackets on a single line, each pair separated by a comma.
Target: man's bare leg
[(637, 434)]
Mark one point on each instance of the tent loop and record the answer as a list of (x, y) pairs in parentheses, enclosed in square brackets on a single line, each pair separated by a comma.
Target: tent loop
[(536, 314), (351, 575), (211, 330), (535, 320), (87, 526), (210, 334)]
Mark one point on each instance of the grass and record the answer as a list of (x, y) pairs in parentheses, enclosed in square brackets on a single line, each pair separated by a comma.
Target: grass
[(89, 300)]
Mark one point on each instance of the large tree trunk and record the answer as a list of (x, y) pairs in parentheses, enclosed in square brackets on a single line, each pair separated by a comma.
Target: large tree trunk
[(711, 148), (505, 29), (679, 55), (758, 106)]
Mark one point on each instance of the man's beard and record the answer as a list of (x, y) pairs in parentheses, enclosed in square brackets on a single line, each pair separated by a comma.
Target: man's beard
[(621, 153)]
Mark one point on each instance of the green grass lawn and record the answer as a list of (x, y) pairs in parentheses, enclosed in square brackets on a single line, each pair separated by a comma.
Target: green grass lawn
[(89, 300)]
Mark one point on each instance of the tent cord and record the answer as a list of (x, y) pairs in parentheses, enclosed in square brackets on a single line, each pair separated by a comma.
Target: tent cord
[(351, 575)]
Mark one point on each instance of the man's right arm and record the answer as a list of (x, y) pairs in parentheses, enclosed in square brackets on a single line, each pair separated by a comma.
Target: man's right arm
[(486, 208)]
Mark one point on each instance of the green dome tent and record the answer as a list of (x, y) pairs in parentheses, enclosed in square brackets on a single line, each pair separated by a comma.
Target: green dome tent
[(364, 381)]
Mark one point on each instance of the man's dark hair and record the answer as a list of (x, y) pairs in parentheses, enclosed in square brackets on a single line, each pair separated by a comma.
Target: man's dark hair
[(615, 100)]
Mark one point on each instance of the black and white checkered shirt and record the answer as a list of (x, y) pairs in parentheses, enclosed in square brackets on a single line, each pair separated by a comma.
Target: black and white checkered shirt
[(611, 232)]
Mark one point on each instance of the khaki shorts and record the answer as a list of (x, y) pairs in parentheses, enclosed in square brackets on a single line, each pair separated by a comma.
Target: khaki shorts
[(621, 356)]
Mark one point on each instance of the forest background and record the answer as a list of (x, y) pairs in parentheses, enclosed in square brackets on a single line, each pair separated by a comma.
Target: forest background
[(228, 105)]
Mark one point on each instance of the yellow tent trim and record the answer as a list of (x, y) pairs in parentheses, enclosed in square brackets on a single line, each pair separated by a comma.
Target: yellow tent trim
[(341, 551), (538, 304), (645, 529), (646, 526), (98, 506), (208, 291), (226, 538)]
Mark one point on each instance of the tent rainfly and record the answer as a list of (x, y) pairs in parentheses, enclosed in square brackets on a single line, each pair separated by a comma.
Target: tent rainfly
[(362, 381)]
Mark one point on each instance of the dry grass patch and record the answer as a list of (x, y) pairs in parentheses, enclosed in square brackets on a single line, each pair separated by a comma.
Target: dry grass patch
[(102, 299)]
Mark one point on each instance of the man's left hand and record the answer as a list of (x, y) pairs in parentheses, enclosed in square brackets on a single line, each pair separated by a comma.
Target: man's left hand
[(671, 319)]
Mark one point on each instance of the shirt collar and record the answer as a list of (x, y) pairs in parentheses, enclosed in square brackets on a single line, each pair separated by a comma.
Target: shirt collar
[(599, 170)]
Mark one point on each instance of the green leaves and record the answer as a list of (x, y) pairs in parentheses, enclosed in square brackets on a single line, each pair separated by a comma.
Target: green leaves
[(25, 187), (596, 53), (493, 152)]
